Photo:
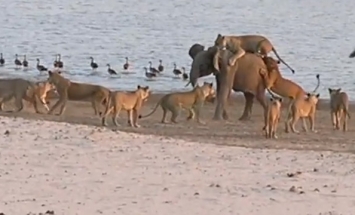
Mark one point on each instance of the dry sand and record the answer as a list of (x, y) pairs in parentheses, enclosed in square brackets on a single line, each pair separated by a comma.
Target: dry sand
[(172, 169)]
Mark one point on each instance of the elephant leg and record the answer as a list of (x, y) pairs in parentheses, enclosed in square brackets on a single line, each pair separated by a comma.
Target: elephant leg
[(218, 88), (248, 106), (261, 99)]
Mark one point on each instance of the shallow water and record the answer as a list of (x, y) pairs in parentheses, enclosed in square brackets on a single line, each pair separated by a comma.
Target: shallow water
[(312, 36)]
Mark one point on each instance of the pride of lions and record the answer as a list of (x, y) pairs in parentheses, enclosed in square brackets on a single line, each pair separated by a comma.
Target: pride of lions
[(301, 105)]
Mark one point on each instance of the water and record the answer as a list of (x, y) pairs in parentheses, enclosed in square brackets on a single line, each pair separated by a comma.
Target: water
[(312, 36)]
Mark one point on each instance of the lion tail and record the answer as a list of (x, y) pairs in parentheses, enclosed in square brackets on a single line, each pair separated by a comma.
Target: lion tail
[(153, 111), (106, 102)]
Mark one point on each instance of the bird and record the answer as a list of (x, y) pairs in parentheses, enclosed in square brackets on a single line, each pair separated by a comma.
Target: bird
[(59, 62), (126, 65), (160, 67), (2, 60), (111, 71), (152, 69), (149, 74), (184, 75), (55, 63), (40, 68), (352, 54), (176, 71), (25, 62), (93, 64), (17, 61)]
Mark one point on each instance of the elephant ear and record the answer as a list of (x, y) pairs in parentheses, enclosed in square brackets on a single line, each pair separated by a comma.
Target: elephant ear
[(233, 59), (195, 49)]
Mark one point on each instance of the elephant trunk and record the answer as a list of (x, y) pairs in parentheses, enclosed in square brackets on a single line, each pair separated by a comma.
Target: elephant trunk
[(223, 93)]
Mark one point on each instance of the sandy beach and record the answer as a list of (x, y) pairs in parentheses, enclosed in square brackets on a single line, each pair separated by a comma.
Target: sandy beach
[(71, 165)]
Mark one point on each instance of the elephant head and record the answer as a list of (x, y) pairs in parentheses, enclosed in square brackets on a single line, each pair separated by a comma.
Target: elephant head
[(195, 49), (202, 64)]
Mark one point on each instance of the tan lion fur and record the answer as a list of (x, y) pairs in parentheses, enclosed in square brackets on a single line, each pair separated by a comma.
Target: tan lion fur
[(21, 89), (302, 108), (192, 101), (130, 101), (40, 90), (272, 118), (68, 90), (339, 108), (256, 44)]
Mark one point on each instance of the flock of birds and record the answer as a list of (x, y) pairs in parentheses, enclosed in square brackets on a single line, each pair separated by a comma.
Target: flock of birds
[(150, 72)]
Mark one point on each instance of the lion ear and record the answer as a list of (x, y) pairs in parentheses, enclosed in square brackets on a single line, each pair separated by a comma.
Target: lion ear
[(219, 36), (318, 95), (338, 90), (280, 99), (138, 87), (271, 99), (308, 94), (329, 90), (278, 62), (50, 73)]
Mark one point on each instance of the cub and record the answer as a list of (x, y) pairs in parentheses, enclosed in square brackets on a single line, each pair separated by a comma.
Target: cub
[(302, 108), (339, 108)]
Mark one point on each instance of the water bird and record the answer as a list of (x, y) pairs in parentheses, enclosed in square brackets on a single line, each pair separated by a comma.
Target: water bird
[(152, 69), (2, 60), (176, 71), (184, 75), (111, 71), (25, 62), (40, 68), (149, 74), (352, 54), (59, 62), (126, 65), (55, 63), (93, 64), (17, 61), (160, 67)]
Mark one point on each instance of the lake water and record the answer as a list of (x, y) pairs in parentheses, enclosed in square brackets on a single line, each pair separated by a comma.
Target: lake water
[(312, 36)]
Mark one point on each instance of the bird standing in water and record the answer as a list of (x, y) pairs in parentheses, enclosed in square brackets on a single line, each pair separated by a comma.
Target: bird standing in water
[(40, 68), (184, 75), (152, 69), (149, 74), (17, 61), (59, 62), (93, 64), (25, 62), (2, 60), (126, 65), (160, 67), (176, 71), (111, 71)]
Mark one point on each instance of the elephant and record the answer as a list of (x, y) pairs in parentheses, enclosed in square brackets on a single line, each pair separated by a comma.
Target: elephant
[(248, 43), (242, 76)]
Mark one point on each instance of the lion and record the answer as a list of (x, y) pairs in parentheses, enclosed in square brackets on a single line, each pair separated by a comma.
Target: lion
[(21, 89), (272, 116), (192, 101), (130, 101), (255, 44), (302, 108), (68, 90), (339, 108)]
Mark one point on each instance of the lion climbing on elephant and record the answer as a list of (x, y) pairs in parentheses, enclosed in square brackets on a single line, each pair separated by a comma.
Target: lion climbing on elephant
[(256, 44), (239, 72)]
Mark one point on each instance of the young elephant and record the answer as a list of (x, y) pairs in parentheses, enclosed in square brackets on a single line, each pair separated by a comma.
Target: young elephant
[(302, 108), (339, 108)]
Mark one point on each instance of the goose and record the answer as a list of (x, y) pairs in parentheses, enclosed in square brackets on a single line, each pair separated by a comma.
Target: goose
[(126, 65), (352, 54), (17, 61), (184, 75), (55, 63), (25, 62), (2, 60), (176, 71), (40, 68), (93, 64), (152, 69), (59, 62), (160, 67), (149, 74), (111, 71)]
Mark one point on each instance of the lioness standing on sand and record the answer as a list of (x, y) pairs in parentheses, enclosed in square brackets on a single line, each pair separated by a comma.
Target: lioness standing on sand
[(272, 117), (302, 108), (339, 108), (130, 101), (22, 89), (192, 101), (68, 90)]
